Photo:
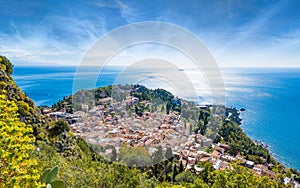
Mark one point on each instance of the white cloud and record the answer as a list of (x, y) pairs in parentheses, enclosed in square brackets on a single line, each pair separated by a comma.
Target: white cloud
[(128, 13), (280, 51), (60, 41), (106, 4)]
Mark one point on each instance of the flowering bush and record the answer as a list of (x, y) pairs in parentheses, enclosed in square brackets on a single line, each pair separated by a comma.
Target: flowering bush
[(18, 169)]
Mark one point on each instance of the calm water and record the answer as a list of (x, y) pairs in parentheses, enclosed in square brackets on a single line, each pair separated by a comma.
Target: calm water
[(270, 96)]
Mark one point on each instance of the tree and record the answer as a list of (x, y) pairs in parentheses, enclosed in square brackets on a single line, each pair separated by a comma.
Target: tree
[(185, 176), (162, 108), (174, 173), (207, 169), (17, 167), (59, 127), (168, 108), (139, 110), (113, 154), (238, 176), (199, 182), (181, 168), (158, 155), (169, 154), (134, 156), (268, 158)]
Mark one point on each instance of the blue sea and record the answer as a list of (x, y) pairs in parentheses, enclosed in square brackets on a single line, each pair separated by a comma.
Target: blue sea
[(270, 96)]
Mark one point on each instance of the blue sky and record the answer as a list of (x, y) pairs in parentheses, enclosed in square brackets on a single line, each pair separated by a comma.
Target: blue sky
[(238, 33)]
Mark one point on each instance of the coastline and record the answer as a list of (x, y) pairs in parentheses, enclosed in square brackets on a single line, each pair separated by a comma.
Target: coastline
[(236, 97)]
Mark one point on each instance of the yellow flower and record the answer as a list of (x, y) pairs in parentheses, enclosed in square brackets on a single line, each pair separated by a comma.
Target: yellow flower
[(18, 169)]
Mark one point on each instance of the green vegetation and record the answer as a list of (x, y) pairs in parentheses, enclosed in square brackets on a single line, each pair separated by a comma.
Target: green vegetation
[(17, 166), (240, 143), (58, 128), (237, 176), (134, 156), (49, 177), (6, 65), (159, 98), (28, 112)]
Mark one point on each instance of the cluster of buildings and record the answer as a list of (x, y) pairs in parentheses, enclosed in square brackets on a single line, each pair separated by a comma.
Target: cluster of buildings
[(70, 118), (193, 153), (112, 123)]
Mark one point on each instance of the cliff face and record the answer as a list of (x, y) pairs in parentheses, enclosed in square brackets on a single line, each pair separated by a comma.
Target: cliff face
[(28, 111)]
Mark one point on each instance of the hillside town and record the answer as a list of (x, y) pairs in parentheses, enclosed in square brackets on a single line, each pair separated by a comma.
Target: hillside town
[(111, 124)]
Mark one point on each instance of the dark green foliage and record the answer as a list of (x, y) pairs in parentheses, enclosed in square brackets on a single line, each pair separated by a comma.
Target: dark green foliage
[(239, 176), (139, 109), (168, 108), (49, 177), (189, 111), (86, 97), (103, 92), (57, 184), (141, 92), (45, 175), (185, 176), (174, 173), (163, 95), (83, 145), (82, 171), (91, 97), (113, 154), (256, 159), (134, 156), (168, 170), (181, 167), (239, 142), (203, 120), (24, 108), (235, 115), (59, 127), (158, 155), (8, 66), (169, 154), (155, 96), (52, 175), (207, 169)]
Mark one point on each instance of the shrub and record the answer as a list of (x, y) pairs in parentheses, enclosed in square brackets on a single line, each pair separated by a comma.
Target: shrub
[(59, 127), (18, 169)]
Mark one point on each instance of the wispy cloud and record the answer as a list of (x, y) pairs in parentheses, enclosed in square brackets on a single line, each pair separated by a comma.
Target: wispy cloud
[(238, 33), (105, 4), (277, 51), (291, 38), (38, 48), (57, 39), (127, 12)]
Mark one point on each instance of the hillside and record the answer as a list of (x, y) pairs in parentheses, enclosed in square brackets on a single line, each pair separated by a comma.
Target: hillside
[(27, 110), (54, 142)]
